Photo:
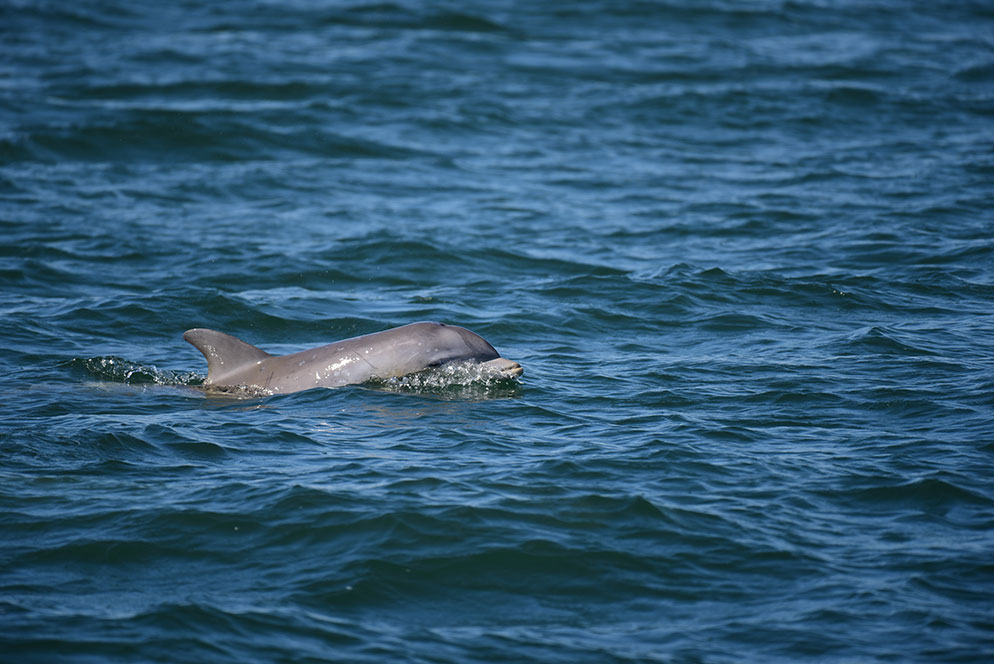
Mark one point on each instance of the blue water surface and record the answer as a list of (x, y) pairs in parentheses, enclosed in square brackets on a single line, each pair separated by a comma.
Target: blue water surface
[(744, 252)]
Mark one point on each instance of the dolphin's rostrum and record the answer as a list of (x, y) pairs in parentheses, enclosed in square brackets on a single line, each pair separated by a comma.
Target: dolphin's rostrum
[(397, 352)]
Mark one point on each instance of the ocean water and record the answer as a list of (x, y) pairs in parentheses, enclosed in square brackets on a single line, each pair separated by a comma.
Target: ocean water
[(744, 252)]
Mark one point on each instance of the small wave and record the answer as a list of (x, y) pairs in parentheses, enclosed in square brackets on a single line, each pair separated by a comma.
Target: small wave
[(927, 494), (184, 131), (885, 341)]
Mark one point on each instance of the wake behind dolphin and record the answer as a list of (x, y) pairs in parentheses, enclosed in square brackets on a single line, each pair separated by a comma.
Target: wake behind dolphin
[(392, 353)]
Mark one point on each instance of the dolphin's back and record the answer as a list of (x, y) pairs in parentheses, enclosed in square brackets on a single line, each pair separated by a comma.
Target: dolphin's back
[(397, 352), (226, 355)]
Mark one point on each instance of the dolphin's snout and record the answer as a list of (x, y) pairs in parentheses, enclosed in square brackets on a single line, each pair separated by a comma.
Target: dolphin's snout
[(505, 367)]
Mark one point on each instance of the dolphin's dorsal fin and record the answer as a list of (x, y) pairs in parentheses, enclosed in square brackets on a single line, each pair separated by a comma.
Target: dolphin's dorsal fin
[(224, 352)]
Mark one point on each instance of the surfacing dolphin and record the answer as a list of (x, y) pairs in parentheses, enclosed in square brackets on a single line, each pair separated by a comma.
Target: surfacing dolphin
[(392, 353)]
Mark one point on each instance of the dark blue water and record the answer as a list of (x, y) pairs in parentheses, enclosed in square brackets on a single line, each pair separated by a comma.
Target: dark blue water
[(743, 250)]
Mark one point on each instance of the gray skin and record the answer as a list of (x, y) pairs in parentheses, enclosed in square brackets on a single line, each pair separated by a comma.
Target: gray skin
[(403, 350)]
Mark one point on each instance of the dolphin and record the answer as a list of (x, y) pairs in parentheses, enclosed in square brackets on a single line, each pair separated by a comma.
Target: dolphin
[(392, 353)]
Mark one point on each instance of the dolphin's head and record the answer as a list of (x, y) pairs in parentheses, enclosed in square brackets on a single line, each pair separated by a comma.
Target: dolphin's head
[(410, 348), (450, 343), (454, 344)]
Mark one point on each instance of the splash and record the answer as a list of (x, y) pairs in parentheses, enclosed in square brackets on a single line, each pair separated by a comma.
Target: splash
[(461, 379), (119, 370), (456, 379), (237, 391)]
